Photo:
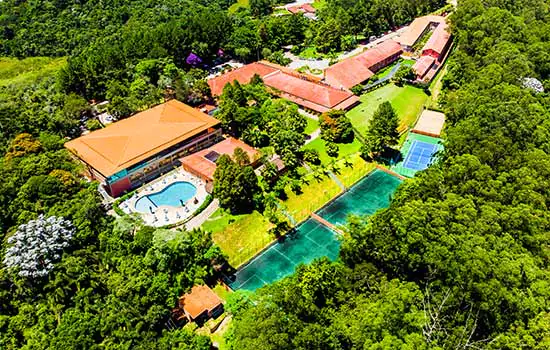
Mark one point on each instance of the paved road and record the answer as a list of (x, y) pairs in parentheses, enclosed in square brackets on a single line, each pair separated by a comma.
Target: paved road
[(298, 62), (198, 220)]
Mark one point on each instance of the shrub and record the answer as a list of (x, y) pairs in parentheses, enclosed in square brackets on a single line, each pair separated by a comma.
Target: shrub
[(332, 149), (357, 89), (312, 156)]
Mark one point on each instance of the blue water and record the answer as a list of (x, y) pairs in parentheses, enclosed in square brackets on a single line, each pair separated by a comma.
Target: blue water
[(172, 195)]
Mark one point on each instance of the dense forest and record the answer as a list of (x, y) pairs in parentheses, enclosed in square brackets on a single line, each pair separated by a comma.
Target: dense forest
[(459, 260)]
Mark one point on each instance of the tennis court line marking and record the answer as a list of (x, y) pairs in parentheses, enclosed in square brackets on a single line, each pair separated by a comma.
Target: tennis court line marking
[(254, 275), (286, 257)]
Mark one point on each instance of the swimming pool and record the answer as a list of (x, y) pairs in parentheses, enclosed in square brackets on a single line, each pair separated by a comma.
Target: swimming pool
[(172, 195)]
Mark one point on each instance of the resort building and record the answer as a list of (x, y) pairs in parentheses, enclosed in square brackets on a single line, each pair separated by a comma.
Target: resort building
[(434, 51), (202, 164), (438, 43), (358, 69), (306, 9), (417, 29), (132, 151), (422, 66), (305, 90), (200, 304)]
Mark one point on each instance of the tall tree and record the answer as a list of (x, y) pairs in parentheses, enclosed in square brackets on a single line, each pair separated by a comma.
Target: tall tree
[(382, 130)]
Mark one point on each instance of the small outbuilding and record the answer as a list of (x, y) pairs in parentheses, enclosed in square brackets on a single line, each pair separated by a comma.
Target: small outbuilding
[(430, 123), (200, 304)]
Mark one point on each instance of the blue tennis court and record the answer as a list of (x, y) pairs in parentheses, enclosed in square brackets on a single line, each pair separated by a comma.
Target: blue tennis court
[(420, 155)]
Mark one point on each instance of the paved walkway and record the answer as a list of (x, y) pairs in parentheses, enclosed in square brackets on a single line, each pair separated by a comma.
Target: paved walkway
[(307, 114), (337, 180), (384, 79), (313, 135), (198, 220)]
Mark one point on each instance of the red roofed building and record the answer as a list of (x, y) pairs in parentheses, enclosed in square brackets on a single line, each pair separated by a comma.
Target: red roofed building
[(317, 97), (423, 66), (439, 42), (302, 89), (417, 29), (357, 69), (242, 75), (303, 8), (203, 163), (200, 304)]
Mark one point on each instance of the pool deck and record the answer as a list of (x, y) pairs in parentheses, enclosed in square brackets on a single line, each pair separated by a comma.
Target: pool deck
[(167, 215)]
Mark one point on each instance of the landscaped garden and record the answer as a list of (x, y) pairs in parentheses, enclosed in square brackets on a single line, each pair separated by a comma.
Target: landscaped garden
[(352, 168), (316, 191), (239, 236), (344, 149), (406, 100)]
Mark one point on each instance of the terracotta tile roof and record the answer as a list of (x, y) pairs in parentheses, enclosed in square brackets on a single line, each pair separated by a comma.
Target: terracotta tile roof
[(301, 89), (423, 64), (357, 69), (303, 8), (200, 299), (129, 141), (318, 97), (202, 165), (439, 39), (430, 123), (417, 28), (242, 75)]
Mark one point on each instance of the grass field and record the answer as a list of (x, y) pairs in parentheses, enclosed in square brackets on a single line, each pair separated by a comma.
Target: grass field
[(312, 125), (239, 4), (406, 100), (345, 149), (316, 192), (239, 236), (352, 169), (14, 71)]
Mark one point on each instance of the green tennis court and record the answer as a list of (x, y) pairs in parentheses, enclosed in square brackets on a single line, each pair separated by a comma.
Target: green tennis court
[(310, 240), (366, 197)]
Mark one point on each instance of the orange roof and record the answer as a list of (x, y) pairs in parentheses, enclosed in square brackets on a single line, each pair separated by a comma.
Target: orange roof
[(417, 28), (303, 8), (134, 139), (201, 299), (439, 39), (202, 165), (423, 64), (318, 97), (357, 69), (301, 89), (242, 75)]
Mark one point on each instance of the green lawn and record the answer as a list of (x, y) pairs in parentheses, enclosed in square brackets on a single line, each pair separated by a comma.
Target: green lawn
[(345, 149), (318, 4), (239, 236), (352, 169), (15, 71), (239, 4), (406, 100), (316, 192), (312, 125)]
